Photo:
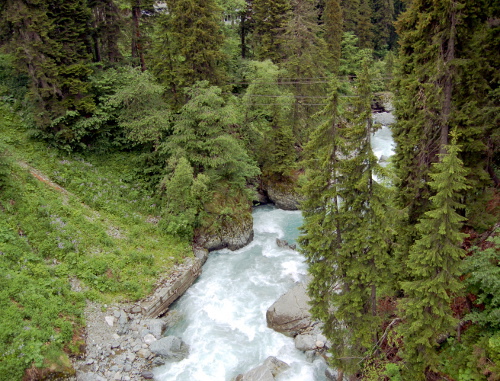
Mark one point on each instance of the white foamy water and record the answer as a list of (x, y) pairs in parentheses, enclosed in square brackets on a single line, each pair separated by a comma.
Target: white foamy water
[(224, 312)]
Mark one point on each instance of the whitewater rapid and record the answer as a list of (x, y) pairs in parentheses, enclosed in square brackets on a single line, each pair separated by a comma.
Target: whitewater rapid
[(222, 317)]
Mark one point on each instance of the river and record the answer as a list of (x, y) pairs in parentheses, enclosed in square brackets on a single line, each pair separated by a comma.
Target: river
[(222, 317)]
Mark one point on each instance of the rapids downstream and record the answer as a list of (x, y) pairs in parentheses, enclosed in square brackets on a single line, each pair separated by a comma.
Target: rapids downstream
[(222, 317)]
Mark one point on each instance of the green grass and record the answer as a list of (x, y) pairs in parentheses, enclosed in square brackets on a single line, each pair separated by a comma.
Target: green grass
[(101, 235)]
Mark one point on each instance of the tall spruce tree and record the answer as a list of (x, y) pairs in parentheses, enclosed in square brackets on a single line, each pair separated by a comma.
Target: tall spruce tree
[(438, 50), (269, 20), (321, 232), (106, 23), (434, 266), (304, 62), (347, 233), (50, 42), (187, 45), (333, 21)]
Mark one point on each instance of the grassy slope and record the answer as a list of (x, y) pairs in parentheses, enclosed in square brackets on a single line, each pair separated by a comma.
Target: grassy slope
[(100, 235)]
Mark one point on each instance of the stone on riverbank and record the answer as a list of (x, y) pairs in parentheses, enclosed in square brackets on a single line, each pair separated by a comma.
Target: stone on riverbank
[(290, 313), (171, 348), (267, 371)]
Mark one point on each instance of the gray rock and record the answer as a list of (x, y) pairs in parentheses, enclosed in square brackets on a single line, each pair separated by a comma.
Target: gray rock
[(285, 245), (284, 196), (90, 376), (144, 353), (234, 235), (290, 313), (147, 375), (267, 371), (171, 348), (149, 338), (156, 327), (305, 342), (330, 374)]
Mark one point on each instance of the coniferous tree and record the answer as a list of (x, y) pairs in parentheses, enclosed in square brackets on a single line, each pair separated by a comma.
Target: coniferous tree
[(187, 45), (351, 216), (305, 63), (269, 20), (437, 52), (201, 134), (333, 20), (434, 266), (50, 42), (383, 17), (107, 23), (321, 237)]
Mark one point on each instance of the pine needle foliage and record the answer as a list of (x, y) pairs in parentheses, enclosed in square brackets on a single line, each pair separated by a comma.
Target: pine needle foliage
[(434, 266)]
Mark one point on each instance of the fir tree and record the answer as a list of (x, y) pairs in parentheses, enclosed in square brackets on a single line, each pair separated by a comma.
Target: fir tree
[(187, 45), (107, 23), (49, 39), (201, 134), (383, 18), (434, 266), (436, 53), (269, 20), (333, 20), (347, 233), (304, 61)]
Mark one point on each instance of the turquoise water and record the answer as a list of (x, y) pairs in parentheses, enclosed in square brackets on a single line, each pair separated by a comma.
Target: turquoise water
[(224, 312)]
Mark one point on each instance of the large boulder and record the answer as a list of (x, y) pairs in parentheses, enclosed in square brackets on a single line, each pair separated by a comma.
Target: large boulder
[(290, 313), (171, 348), (267, 371)]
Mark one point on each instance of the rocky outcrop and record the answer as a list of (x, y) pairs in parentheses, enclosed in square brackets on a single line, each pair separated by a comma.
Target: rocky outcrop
[(233, 236), (170, 289), (284, 196), (290, 313), (267, 371)]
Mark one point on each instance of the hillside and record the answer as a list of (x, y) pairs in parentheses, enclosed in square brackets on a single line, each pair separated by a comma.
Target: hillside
[(73, 229)]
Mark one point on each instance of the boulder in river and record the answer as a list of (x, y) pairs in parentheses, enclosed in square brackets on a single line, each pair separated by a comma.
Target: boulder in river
[(170, 348), (267, 371), (290, 313)]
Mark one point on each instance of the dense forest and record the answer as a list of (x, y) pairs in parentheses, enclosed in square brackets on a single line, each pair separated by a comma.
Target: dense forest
[(180, 112)]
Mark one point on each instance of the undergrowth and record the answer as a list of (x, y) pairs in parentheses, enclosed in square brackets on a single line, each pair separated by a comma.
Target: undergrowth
[(99, 240)]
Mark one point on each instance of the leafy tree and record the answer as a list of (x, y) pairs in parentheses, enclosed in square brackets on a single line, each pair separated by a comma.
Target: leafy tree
[(187, 45), (269, 20), (434, 266)]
